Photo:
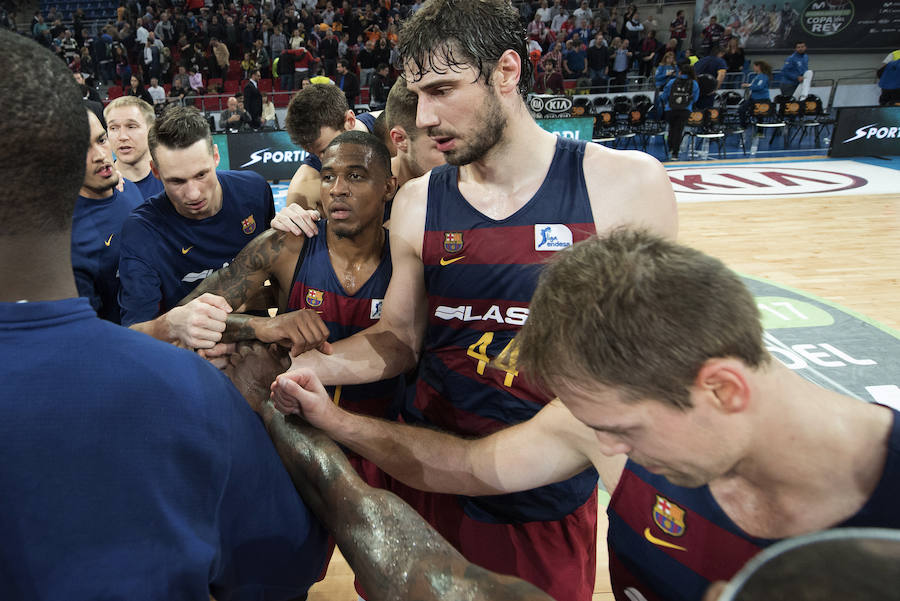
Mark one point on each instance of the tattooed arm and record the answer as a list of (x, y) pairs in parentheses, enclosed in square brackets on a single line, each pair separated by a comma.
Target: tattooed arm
[(269, 256)]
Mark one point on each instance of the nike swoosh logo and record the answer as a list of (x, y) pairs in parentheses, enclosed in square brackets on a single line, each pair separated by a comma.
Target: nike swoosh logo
[(658, 541), (109, 240), (185, 251), (445, 262)]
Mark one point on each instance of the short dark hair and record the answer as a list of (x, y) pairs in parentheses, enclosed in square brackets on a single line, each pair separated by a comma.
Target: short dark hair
[(179, 127), (42, 157), (464, 33), (344, 63), (639, 314), (401, 109), (364, 138), (381, 67), (316, 106)]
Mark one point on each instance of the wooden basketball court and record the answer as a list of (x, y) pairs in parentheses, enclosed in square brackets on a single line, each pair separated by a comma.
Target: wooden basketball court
[(844, 249)]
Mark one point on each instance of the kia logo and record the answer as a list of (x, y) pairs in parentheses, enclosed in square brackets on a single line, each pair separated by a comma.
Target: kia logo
[(558, 105), (764, 180)]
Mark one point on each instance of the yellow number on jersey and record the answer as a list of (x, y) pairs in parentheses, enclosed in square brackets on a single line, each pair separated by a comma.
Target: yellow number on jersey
[(506, 360)]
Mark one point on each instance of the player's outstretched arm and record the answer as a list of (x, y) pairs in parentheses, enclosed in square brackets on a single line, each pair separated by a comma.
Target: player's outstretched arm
[(394, 553), (391, 346), (553, 444)]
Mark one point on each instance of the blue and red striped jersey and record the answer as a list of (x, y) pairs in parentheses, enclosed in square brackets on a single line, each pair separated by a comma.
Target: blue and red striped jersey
[(317, 287)]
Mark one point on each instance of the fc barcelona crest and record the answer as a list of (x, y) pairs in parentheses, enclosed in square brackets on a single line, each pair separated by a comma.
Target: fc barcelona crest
[(248, 225), (453, 242), (668, 516), (314, 297)]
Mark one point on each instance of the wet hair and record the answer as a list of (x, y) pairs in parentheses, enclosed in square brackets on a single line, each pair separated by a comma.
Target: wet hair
[(371, 141), (312, 108), (179, 127), (42, 157), (639, 314), (401, 109), (464, 33)]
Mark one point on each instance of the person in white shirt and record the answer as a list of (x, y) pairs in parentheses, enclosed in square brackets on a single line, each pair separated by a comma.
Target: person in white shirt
[(156, 92), (558, 21)]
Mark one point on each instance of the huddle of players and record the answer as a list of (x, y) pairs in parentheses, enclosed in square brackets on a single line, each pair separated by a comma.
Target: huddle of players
[(457, 242)]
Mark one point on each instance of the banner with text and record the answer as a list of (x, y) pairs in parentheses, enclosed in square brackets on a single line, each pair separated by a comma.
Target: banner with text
[(866, 131), (271, 153), (822, 24)]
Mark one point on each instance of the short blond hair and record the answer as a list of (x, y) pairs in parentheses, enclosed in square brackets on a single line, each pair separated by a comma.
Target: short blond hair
[(123, 101)]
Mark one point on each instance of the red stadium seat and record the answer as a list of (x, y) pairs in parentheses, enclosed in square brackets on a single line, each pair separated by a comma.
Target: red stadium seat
[(281, 99), (168, 88), (265, 85), (364, 95), (215, 81), (114, 92), (231, 86)]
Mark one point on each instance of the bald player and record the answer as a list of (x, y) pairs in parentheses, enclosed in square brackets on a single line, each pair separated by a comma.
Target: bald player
[(100, 212), (711, 449), (128, 120)]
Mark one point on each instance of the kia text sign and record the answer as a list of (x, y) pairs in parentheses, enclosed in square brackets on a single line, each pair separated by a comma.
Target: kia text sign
[(759, 181), (863, 131)]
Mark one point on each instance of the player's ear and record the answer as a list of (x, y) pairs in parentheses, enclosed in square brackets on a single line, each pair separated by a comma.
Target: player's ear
[(724, 383), (399, 138), (154, 169), (508, 72), (349, 121), (390, 188), (216, 157)]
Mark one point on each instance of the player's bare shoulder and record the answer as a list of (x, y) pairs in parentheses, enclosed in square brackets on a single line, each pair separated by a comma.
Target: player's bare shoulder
[(629, 187), (408, 212)]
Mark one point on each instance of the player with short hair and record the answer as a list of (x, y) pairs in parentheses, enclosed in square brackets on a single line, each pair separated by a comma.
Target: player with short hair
[(467, 242), (316, 114), (710, 449), (196, 226), (100, 211), (128, 121), (417, 154), (131, 469)]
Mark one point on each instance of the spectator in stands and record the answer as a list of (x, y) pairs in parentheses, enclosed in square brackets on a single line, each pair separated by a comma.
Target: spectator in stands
[(647, 54), (889, 82), (555, 54), (549, 80), (164, 30), (157, 93), (328, 52), (87, 92), (233, 118), (598, 62), (560, 18), (261, 57), (378, 91), (366, 61), (575, 62), (248, 65), (665, 71), (277, 42), (151, 58), (620, 64), (734, 58), (712, 35), (196, 82), (713, 68), (253, 99), (348, 82), (678, 98), (136, 88), (382, 52), (544, 13), (794, 67), (583, 12), (220, 52), (678, 28), (123, 69), (632, 29), (268, 120)]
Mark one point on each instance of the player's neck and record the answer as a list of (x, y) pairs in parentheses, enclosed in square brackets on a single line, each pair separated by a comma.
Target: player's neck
[(827, 442), (36, 268), (95, 194), (135, 171), (402, 169), (365, 246)]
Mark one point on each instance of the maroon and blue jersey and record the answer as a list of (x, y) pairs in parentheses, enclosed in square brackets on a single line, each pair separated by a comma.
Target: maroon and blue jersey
[(480, 275), (165, 255), (669, 543), (317, 287)]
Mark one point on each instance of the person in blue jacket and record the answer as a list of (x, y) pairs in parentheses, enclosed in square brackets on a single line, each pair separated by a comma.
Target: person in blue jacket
[(794, 67), (678, 103), (666, 70), (759, 88), (889, 82)]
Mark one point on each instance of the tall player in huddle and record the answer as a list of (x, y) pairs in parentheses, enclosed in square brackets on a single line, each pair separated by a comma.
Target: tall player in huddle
[(467, 244), (128, 121)]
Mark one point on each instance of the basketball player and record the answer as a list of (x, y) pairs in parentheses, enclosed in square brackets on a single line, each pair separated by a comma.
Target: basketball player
[(317, 114), (128, 119), (131, 469), (711, 450), (177, 238), (100, 211), (467, 243)]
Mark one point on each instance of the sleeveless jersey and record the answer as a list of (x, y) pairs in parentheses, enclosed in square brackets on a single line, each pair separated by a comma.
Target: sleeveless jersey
[(316, 286), (667, 542), (480, 275)]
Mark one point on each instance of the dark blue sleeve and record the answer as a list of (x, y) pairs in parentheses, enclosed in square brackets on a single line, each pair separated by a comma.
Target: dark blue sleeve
[(86, 288), (696, 93), (271, 546), (664, 95), (313, 161), (140, 287)]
